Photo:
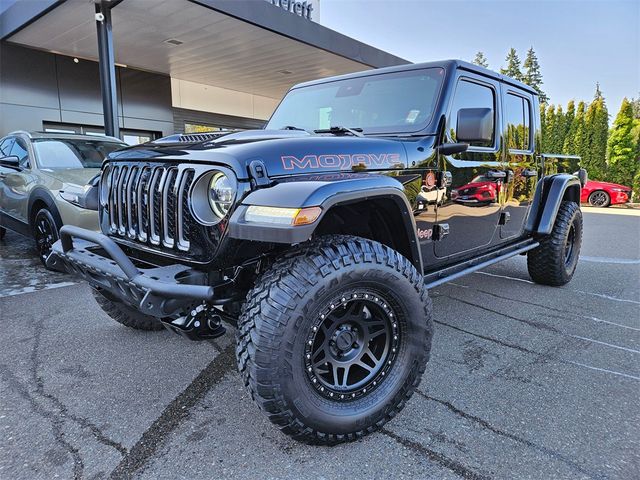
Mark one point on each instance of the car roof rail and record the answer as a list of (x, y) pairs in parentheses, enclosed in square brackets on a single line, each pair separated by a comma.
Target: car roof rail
[(20, 132)]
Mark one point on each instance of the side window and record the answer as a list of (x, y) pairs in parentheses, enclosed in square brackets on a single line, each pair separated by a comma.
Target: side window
[(471, 95), (517, 120), (5, 146), (19, 149)]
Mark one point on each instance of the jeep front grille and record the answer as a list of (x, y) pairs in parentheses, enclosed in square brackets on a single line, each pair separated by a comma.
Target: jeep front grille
[(148, 204)]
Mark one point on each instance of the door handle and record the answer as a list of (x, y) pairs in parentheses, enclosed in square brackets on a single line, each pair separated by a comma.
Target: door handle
[(529, 173), (496, 174)]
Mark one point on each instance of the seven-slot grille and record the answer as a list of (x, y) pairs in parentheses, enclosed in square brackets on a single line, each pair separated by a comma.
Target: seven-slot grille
[(148, 203)]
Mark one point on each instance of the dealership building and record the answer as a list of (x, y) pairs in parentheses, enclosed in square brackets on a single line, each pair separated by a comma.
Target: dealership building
[(142, 69)]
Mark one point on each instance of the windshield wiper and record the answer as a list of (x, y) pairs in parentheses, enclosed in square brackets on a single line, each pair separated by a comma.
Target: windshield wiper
[(337, 130), (293, 127)]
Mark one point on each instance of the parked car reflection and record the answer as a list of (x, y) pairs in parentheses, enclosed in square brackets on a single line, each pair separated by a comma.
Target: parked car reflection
[(479, 191)]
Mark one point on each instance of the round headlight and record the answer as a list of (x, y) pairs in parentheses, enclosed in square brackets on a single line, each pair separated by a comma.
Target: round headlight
[(222, 191)]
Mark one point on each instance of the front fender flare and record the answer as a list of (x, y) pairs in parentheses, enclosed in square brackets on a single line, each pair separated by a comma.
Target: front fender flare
[(325, 191), (43, 195), (550, 192)]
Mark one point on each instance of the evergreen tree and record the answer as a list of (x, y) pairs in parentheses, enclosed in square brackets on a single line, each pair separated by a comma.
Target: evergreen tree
[(550, 130), (597, 133), (481, 60), (622, 146), (532, 75), (598, 94), (559, 131), (568, 119), (574, 119), (513, 65), (635, 103), (579, 141), (543, 127)]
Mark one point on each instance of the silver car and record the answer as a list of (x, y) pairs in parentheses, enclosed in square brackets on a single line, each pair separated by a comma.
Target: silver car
[(43, 181)]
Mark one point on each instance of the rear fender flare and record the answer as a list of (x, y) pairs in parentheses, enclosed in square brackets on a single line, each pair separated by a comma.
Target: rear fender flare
[(311, 191), (550, 192)]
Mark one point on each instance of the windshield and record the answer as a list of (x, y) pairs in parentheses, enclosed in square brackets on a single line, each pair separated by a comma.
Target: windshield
[(65, 153), (481, 179), (399, 102)]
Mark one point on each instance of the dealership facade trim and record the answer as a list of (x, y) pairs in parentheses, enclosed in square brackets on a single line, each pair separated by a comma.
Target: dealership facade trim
[(163, 66)]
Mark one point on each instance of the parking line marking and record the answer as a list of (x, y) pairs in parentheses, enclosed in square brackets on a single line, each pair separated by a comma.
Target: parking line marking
[(621, 261), (519, 300), (505, 276), (22, 291), (538, 354), (601, 295), (608, 297), (599, 320), (605, 343), (603, 370)]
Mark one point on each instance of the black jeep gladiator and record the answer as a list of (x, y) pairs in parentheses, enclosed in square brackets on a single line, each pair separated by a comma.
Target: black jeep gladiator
[(320, 235)]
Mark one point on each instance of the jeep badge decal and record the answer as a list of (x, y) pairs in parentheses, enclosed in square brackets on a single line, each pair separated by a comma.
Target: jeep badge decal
[(290, 162)]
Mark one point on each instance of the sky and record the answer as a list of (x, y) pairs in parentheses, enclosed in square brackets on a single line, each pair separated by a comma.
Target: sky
[(578, 42)]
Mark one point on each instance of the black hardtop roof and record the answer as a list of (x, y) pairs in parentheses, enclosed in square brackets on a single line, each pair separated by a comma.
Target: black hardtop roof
[(446, 64)]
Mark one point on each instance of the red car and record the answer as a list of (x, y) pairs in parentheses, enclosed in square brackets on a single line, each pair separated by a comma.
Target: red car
[(479, 191), (603, 194)]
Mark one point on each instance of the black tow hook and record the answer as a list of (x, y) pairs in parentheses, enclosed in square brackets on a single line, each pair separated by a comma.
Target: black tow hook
[(200, 323)]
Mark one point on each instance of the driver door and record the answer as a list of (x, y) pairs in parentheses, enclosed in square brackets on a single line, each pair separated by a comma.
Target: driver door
[(14, 182), (471, 212)]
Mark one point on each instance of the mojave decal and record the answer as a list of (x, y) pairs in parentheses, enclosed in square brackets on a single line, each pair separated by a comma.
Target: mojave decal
[(344, 161)]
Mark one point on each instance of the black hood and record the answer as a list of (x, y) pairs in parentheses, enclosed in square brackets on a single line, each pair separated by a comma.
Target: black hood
[(283, 152)]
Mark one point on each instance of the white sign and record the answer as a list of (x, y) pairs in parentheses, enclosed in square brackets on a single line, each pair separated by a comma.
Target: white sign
[(303, 8)]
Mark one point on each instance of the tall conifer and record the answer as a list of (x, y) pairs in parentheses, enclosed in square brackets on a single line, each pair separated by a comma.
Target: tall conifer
[(532, 75), (513, 65)]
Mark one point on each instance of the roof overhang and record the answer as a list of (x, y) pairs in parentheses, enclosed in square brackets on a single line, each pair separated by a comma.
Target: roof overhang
[(247, 46)]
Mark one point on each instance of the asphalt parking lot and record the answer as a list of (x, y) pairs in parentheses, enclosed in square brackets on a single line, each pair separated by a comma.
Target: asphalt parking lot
[(525, 381)]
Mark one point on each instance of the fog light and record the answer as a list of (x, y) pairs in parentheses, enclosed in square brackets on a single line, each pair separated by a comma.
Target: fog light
[(282, 216)]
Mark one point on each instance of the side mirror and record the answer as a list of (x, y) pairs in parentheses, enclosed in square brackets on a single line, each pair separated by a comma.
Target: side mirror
[(10, 161), (474, 125), (452, 148), (583, 176)]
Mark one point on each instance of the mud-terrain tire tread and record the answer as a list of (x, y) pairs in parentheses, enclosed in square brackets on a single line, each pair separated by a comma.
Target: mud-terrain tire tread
[(546, 262), (126, 315), (266, 303)]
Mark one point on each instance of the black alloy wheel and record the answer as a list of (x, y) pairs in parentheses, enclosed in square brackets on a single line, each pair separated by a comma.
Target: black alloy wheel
[(599, 198), (570, 245), (352, 345), (45, 233)]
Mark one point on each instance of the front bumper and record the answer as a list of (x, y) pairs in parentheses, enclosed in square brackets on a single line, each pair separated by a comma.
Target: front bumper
[(160, 291)]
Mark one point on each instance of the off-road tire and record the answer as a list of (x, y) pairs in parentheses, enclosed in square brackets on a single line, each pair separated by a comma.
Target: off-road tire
[(125, 315), (550, 263), (276, 320)]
